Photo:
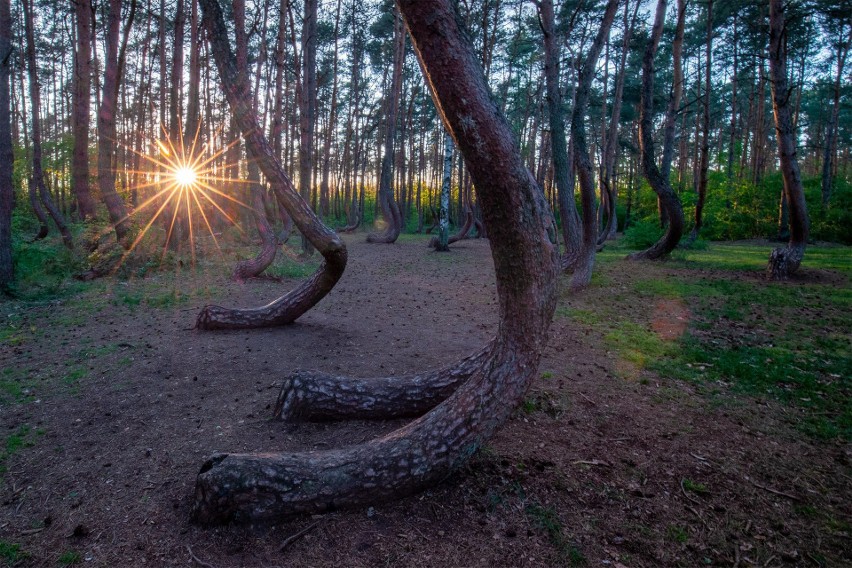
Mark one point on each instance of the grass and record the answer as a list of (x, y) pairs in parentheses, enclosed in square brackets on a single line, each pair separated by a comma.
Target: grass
[(14, 443), (11, 553), (784, 341), (547, 519), (70, 557)]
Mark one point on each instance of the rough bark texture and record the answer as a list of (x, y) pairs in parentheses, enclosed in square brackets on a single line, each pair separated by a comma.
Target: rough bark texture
[(37, 179), (390, 209), (582, 160), (81, 110), (659, 183), (7, 196), (562, 159), (314, 396), (292, 305), (106, 129), (785, 261), (271, 486)]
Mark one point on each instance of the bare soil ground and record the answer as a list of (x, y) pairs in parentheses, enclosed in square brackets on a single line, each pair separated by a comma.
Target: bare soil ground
[(122, 401)]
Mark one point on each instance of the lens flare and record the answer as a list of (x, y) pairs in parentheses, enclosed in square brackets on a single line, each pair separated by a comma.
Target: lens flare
[(185, 176)]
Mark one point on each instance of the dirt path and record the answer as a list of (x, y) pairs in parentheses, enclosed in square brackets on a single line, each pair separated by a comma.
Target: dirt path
[(123, 402)]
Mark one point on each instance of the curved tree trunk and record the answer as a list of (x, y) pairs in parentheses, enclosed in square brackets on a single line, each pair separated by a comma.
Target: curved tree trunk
[(785, 261), (292, 305), (7, 158), (258, 487), (582, 161), (390, 209), (562, 154), (659, 183), (37, 180), (253, 267)]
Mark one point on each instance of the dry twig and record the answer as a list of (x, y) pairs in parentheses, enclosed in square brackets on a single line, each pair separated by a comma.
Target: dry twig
[(775, 491), (197, 559), (293, 538)]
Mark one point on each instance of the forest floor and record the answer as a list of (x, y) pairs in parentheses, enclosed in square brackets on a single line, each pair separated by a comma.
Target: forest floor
[(687, 413)]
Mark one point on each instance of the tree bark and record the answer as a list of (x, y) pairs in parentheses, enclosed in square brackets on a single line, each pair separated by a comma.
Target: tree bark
[(80, 118), (246, 487), (7, 158), (562, 154), (704, 162), (585, 261), (106, 129), (37, 179), (658, 182), (785, 261), (390, 208), (831, 129), (444, 223), (289, 307), (307, 111)]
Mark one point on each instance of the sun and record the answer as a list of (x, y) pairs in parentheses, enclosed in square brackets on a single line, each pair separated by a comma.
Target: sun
[(185, 176), (186, 182)]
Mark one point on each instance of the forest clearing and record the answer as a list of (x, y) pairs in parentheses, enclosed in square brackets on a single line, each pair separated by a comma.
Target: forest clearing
[(425, 283), (686, 413)]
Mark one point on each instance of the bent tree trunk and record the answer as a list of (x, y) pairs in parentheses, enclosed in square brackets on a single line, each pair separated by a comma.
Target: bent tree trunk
[(289, 307), (390, 209), (582, 160), (37, 179), (668, 200), (785, 261), (253, 267), (271, 486), (561, 153)]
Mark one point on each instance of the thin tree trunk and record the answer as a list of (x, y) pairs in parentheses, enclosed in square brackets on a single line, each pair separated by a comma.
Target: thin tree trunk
[(585, 261), (7, 158), (271, 486), (831, 128), (307, 109), (106, 129), (704, 162), (659, 183), (444, 223), (37, 179), (80, 117), (785, 261), (563, 166), (390, 208)]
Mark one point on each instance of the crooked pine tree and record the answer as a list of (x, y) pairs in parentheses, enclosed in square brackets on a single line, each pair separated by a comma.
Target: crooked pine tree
[(268, 486)]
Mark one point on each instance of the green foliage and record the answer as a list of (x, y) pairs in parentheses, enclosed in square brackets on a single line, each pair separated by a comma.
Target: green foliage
[(11, 553), (642, 234), (70, 557), (14, 443)]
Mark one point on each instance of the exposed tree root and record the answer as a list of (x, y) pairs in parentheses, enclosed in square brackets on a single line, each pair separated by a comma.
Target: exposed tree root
[(315, 396)]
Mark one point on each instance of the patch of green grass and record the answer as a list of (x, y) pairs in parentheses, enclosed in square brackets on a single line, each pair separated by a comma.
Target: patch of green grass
[(547, 519), (585, 317), (14, 443), (287, 267), (11, 553), (73, 376), (638, 344), (694, 486), (13, 387), (678, 534), (70, 557)]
